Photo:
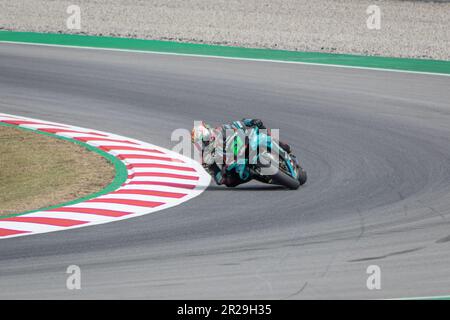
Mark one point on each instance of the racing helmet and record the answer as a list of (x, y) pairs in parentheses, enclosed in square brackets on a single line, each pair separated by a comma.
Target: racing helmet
[(201, 134)]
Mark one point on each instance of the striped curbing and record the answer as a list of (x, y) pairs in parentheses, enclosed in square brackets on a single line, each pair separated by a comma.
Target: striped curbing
[(154, 179)]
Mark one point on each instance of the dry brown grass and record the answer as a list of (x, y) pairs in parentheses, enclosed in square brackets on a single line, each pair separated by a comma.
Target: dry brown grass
[(38, 171)]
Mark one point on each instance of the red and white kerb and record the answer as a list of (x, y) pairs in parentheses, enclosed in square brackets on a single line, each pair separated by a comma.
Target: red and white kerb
[(157, 179)]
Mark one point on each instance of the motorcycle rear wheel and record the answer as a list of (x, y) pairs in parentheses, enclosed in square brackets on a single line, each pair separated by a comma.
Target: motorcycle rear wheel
[(283, 178), (302, 176), (286, 180)]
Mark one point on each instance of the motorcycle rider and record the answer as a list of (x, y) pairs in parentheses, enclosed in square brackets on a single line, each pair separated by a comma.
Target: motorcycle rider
[(203, 137)]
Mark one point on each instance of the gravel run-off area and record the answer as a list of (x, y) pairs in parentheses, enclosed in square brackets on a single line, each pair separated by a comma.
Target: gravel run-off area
[(419, 29)]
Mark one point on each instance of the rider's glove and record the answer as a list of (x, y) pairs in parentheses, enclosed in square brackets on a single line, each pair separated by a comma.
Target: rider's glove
[(254, 123)]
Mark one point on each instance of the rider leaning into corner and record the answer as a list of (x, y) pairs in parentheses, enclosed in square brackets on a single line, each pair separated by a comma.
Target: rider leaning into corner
[(203, 137)]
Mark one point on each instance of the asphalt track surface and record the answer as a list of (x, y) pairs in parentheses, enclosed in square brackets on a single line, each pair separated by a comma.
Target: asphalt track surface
[(376, 146)]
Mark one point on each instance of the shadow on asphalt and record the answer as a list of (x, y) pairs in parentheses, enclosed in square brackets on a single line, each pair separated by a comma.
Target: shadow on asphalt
[(253, 187)]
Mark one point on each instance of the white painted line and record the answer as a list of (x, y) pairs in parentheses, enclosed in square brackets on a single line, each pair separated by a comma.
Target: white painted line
[(230, 58)]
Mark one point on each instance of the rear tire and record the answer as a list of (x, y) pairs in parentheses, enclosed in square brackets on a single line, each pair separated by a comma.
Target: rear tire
[(302, 176), (286, 180)]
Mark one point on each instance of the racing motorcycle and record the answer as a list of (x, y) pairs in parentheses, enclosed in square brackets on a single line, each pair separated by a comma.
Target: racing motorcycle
[(254, 156)]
